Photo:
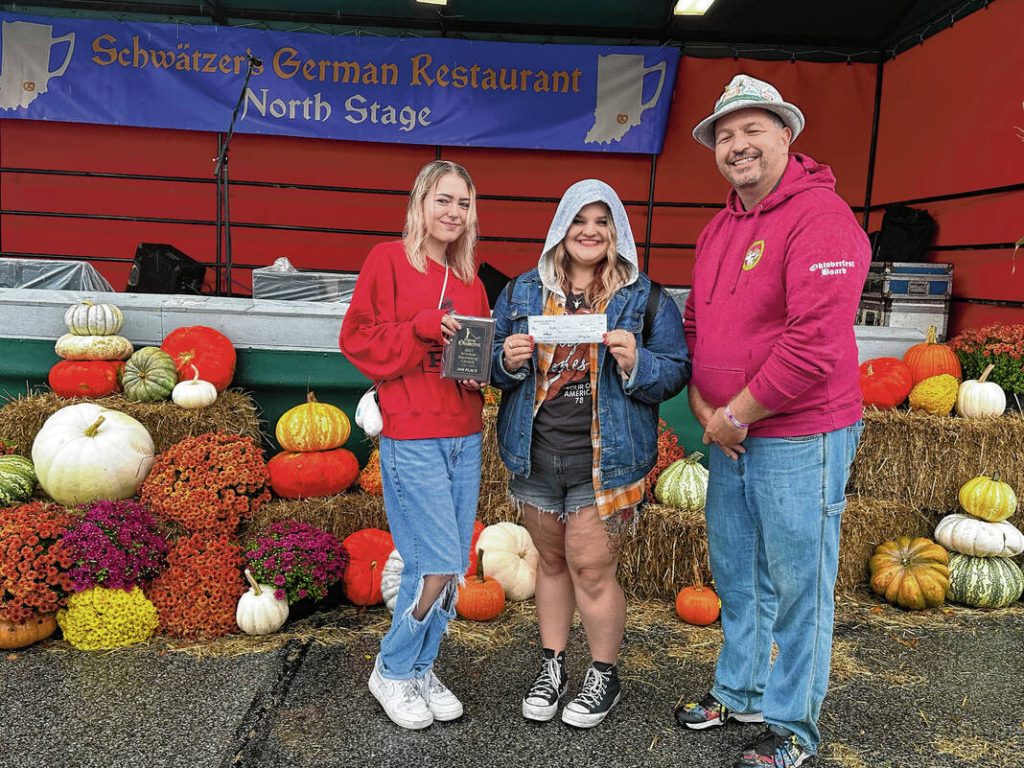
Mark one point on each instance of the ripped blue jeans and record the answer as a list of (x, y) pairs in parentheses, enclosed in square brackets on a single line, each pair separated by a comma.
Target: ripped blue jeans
[(431, 488)]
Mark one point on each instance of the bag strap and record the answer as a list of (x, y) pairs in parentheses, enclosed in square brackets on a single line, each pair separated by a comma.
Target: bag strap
[(653, 299)]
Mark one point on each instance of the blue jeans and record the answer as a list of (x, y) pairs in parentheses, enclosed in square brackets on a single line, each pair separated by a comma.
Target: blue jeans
[(431, 487), (773, 520)]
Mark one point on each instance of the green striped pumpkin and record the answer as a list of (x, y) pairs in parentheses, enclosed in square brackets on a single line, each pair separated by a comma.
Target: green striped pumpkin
[(983, 582), (683, 484), (149, 376), (17, 479)]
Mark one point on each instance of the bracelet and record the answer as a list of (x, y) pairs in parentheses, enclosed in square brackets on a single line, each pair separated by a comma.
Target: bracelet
[(733, 420)]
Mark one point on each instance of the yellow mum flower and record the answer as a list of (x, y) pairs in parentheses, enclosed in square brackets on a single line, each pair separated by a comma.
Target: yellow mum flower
[(102, 618)]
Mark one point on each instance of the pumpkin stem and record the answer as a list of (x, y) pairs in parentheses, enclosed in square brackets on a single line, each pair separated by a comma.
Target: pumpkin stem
[(694, 457), (871, 370), (88, 303), (311, 396), (195, 372), (92, 429), (480, 566), (932, 334), (255, 586), (986, 372)]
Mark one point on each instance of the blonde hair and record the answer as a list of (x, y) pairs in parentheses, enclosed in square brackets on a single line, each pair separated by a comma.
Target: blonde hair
[(610, 275), (414, 237)]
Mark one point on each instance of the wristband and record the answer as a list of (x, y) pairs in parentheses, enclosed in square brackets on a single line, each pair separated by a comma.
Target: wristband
[(733, 420)]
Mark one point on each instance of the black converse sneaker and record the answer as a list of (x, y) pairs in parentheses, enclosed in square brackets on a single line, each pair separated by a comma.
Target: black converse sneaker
[(710, 712), (600, 692), (541, 701), (777, 747)]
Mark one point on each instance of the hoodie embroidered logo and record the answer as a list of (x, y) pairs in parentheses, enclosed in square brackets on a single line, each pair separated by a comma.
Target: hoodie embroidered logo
[(753, 255)]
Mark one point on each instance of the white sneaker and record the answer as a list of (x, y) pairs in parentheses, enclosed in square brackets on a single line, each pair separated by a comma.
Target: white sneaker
[(401, 701), (444, 705)]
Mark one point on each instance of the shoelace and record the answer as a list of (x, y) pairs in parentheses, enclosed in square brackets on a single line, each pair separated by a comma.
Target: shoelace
[(430, 684), (594, 686), (548, 682), (410, 690)]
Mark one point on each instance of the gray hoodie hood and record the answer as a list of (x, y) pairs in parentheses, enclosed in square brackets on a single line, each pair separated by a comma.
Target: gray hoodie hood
[(581, 194)]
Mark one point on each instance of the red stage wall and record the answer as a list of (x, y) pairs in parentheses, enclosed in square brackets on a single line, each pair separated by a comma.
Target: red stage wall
[(93, 212), (947, 126)]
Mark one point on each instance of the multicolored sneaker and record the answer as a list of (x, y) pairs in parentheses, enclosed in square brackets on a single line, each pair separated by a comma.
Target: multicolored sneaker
[(775, 748), (710, 712)]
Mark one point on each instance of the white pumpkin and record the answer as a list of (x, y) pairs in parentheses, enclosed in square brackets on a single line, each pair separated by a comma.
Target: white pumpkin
[(259, 612), (510, 558), (970, 535), (86, 452), (981, 398), (194, 393), (391, 579), (72, 347), (90, 319)]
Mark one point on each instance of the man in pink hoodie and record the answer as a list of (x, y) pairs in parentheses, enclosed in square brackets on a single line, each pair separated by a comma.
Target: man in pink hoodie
[(769, 322)]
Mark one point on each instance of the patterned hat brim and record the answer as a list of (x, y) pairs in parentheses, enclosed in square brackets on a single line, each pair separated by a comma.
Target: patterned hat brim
[(791, 116)]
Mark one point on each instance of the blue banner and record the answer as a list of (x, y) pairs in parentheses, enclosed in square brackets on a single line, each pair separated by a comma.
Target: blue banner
[(353, 87)]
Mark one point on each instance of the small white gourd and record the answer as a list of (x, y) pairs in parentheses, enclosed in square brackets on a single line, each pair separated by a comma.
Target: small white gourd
[(194, 393), (391, 579), (979, 399), (511, 558), (259, 612)]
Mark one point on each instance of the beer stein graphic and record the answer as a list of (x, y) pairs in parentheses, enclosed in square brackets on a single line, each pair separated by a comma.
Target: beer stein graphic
[(620, 89), (25, 61)]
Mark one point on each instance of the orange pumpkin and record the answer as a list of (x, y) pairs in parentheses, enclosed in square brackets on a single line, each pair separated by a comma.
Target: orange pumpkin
[(698, 605), (368, 550), (295, 475), (312, 426), (85, 378), (32, 631), (207, 349), (930, 358), (481, 598), (885, 382), (910, 573), (478, 528), (369, 478)]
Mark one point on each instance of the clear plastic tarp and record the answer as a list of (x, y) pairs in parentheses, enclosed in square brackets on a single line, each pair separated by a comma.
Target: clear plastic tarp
[(52, 274), (282, 281)]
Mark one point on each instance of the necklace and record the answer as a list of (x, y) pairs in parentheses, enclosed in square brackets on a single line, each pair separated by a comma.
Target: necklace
[(577, 301)]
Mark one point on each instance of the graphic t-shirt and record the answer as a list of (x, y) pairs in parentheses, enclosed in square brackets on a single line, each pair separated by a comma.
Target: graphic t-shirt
[(562, 423)]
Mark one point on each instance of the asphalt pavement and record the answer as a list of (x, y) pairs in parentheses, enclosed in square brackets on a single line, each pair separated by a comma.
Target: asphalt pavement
[(941, 690)]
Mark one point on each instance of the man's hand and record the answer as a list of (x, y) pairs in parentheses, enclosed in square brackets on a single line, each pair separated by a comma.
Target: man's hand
[(720, 431), (701, 410)]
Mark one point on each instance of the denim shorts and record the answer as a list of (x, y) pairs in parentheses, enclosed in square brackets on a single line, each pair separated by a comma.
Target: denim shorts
[(560, 484)]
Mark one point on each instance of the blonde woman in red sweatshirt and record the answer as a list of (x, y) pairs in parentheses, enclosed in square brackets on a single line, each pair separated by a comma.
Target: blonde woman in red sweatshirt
[(393, 333)]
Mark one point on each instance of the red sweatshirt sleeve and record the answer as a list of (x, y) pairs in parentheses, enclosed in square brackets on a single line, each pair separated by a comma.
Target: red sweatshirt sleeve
[(826, 263), (690, 323), (378, 345)]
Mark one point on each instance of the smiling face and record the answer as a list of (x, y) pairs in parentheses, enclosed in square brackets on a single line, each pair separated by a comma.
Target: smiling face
[(751, 149), (446, 210), (589, 236)]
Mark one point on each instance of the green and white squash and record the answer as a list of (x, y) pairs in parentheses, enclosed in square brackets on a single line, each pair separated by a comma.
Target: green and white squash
[(971, 536), (17, 479), (90, 319), (683, 484), (984, 582), (149, 376), (72, 347), (391, 579), (85, 452)]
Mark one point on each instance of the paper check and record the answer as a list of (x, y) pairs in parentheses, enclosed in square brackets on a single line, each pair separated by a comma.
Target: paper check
[(568, 329)]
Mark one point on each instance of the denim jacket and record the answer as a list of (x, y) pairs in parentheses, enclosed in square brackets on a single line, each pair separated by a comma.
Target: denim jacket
[(627, 410)]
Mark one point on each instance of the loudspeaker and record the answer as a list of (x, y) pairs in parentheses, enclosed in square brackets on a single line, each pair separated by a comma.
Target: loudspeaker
[(162, 268)]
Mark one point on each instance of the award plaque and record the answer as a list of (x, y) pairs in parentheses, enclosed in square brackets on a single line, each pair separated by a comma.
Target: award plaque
[(467, 355)]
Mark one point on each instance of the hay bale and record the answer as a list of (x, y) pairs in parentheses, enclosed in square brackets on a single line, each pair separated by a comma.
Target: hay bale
[(922, 460), (494, 504), (234, 412), (668, 550), (341, 515)]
